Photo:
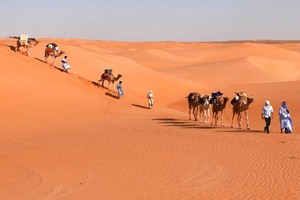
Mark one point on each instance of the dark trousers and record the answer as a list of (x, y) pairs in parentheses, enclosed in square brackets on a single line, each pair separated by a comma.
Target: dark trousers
[(268, 123)]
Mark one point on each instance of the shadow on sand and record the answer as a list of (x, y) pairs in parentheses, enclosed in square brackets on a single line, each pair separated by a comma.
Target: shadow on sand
[(140, 106), (111, 95), (182, 123), (40, 60), (55, 67), (239, 130), (12, 48)]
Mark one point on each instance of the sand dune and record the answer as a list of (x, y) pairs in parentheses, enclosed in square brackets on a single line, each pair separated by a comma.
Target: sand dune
[(64, 137)]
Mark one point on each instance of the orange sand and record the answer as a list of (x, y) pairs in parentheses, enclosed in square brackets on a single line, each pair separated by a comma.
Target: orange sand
[(62, 137)]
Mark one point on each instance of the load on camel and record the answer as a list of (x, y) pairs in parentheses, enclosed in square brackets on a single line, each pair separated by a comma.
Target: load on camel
[(108, 76), (218, 105), (52, 51), (241, 103), (25, 41)]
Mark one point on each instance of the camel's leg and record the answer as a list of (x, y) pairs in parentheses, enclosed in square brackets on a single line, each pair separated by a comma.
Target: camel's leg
[(212, 119), (239, 119), (46, 56), (53, 63), (233, 114), (28, 51), (190, 111), (208, 115), (222, 117), (200, 114), (114, 89), (17, 46), (108, 86), (203, 116), (247, 119), (195, 112)]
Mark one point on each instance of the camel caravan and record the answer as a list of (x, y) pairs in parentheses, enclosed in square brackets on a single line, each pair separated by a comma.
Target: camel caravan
[(203, 103), (26, 42), (52, 50)]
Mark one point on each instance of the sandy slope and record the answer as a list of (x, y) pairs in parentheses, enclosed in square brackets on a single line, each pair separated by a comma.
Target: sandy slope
[(63, 137)]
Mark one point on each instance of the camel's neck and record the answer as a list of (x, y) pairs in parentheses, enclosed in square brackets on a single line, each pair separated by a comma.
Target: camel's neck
[(59, 54), (116, 78), (33, 43)]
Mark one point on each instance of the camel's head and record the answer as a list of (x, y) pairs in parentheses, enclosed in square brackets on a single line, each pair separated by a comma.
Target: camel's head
[(34, 42), (119, 75), (225, 100), (250, 100), (203, 98)]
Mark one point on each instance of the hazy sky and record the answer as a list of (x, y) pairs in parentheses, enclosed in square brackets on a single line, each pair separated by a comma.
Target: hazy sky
[(152, 20)]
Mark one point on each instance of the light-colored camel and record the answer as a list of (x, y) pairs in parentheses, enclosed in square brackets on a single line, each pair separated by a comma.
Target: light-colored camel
[(193, 101), (219, 106), (204, 106), (241, 103), (52, 53), (110, 78), (27, 43)]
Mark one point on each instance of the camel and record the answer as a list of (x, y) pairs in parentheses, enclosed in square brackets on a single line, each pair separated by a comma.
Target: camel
[(52, 53), (25, 42), (204, 108), (219, 106), (110, 78), (241, 104), (193, 101)]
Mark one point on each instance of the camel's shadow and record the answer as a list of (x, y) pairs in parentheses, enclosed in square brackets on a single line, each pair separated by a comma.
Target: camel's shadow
[(182, 123), (97, 84), (40, 60), (55, 67), (12, 48)]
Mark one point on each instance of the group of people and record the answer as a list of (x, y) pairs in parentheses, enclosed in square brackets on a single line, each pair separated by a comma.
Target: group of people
[(150, 95), (284, 117), (266, 113)]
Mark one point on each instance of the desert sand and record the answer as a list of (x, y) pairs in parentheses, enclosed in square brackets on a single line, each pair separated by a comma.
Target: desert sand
[(62, 137)]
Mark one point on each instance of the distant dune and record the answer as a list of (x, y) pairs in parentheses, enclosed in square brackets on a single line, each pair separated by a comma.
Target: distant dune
[(65, 137)]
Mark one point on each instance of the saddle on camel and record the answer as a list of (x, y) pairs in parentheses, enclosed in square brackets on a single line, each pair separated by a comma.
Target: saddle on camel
[(214, 97), (52, 46)]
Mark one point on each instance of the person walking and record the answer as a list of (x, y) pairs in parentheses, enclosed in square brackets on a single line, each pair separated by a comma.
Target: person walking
[(285, 119), (150, 97), (120, 90), (267, 115), (65, 64)]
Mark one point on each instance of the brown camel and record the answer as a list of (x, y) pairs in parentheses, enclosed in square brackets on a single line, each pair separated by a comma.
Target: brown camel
[(110, 78), (25, 42), (241, 103), (219, 106), (193, 101), (52, 53), (204, 106)]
